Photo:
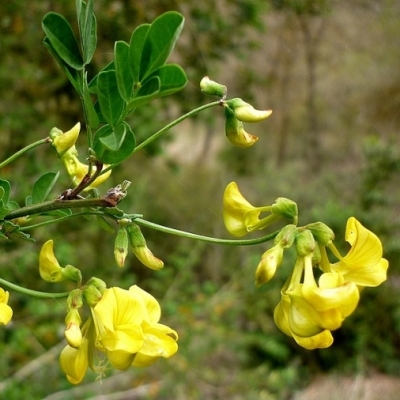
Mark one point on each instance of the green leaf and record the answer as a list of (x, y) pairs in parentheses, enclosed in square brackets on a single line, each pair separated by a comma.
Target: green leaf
[(108, 138), (90, 111), (172, 78), (88, 29), (93, 82), (114, 140), (111, 103), (72, 74), (122, 70), (5, 193), (12, 231), (43, 186), (62, 38), (147, 93), (160, 41), (135, 51)]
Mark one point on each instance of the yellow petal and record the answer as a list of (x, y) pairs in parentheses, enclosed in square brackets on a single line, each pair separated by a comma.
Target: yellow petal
[(363, 264), (152, 306), (322, 340), (6, 314), (49, 268), (74, 362), (239, 215)]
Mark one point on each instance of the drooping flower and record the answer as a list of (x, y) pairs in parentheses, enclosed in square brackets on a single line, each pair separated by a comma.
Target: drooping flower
[(6, 311), (235, 132), (363, 264), (74, 361)]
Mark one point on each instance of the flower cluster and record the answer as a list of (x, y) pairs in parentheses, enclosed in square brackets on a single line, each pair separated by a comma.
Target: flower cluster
[(64, 144), (123, 329), (310, 309)]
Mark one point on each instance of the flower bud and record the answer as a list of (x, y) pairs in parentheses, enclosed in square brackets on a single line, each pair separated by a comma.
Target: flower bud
[(245, 112), (121, 245), (75, 299), (286, 236), (97, 283), (140, 249), (270, 260), (92, 295), (285, 208), (321, 232), (73, 333), (235, 132), (63, 141), (6, 311), (212, 88), (305, 243), (71, 273)]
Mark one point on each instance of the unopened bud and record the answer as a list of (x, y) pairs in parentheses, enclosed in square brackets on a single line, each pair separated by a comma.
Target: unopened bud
[(285, 208), (321, 232), (245, 112), (235, 132), (73, 333), (270, 261), (140, 249), (305, 243), (121, 245), (212, 88)]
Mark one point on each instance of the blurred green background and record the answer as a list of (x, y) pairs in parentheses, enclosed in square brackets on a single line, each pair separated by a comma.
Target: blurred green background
[(330, 71)]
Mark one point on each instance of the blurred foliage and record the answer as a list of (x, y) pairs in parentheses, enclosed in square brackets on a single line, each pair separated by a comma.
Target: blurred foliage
[(229, 345)]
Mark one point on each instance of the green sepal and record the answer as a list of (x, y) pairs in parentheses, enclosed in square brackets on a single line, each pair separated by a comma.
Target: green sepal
[(11, 231)]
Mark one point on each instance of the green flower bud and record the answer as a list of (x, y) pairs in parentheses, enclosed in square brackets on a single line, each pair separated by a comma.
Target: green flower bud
[(121, 245), (212, 88), (92, 295), (140, 249), (286, 236), (305, 243), (75, 299), (97, 283), (285, 208), (71, 273), (322, 233), (245, 112)]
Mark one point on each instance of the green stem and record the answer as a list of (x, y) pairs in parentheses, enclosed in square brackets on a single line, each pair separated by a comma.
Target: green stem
[(22, 151), (33, 293), (56, 205), (62, 219), (165, 129), (177, 232)]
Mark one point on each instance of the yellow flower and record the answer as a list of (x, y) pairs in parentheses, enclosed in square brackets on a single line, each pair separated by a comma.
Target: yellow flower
[(49, 268), (159, 340), (74, 362), (320, 338), (51, 271), (77, 170), (63, 141), (6, 311), (308, 312), (240, 217), (118, 317), (363, 264)]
